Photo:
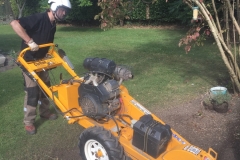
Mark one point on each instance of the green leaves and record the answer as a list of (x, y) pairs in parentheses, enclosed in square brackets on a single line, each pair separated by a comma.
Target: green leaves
[(85, 3), (112, 12)]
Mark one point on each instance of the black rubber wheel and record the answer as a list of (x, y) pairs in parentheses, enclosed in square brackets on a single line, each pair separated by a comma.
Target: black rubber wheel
[(96, 143)]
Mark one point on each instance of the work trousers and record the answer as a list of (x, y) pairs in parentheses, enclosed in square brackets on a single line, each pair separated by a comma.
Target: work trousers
[(34, 97)]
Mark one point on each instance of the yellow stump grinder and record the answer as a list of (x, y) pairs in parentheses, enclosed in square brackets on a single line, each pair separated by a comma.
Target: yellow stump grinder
[(117, 127)]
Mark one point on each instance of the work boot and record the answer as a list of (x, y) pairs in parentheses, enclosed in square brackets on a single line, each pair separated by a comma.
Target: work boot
[(30, 129), (50, 116)]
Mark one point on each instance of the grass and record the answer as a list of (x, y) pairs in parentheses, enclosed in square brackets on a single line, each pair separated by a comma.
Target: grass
[(164, 76)]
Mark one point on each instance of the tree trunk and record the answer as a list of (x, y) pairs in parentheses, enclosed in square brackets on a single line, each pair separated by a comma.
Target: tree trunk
[(238, 20), (227, 56), (121, 22), (147, 11), (227, 37), (9, 13), (20, 5)]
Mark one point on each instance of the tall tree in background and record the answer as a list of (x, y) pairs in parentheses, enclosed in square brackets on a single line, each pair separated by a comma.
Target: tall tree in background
[(8, 13), (27, 7), (7, 8), (20, 5)]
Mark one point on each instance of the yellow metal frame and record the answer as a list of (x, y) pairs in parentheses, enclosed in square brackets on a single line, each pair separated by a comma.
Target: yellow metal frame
[(66, 99)]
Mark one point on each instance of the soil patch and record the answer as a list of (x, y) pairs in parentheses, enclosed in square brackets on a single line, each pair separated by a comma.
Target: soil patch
[(201, 127), (207, 128)]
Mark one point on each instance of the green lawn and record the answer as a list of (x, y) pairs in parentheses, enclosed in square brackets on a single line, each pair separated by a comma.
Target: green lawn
[(164, 75)]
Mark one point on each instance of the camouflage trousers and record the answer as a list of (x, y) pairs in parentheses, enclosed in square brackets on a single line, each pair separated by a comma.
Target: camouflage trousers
[(34, 98)]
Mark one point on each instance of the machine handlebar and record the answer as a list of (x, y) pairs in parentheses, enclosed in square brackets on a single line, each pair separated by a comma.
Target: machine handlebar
[(22, 53)]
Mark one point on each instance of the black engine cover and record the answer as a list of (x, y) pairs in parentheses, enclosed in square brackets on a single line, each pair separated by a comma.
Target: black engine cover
[(104, 91), (99, 65), (94, 99)]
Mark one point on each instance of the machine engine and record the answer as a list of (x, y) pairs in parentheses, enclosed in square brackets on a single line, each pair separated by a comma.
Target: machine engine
[(99, 94)]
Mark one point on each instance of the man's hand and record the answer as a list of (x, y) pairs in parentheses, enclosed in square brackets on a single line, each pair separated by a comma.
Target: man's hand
[(32, 45)]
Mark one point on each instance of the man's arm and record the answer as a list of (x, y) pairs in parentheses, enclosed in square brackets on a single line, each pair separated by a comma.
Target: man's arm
[(22, 33), (20, 30)]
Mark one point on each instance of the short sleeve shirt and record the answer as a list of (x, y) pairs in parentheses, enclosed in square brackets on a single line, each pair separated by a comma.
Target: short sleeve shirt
[(41, 30)]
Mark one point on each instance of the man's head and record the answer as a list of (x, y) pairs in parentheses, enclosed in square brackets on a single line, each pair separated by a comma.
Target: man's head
[(60, 8)]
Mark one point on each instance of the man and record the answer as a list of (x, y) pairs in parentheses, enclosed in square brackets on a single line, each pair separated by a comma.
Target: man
[(34, 30)]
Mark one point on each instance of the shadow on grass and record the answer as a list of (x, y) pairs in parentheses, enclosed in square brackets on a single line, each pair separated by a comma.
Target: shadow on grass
[(194, 64), (9, 42), (39, 122), (78, 29), (11, 85)]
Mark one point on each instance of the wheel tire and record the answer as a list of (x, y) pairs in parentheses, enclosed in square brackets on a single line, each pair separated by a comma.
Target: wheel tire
[(95, 139)]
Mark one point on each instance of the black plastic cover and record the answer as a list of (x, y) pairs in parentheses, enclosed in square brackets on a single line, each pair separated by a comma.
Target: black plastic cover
[(151, 136), (99, 65)]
